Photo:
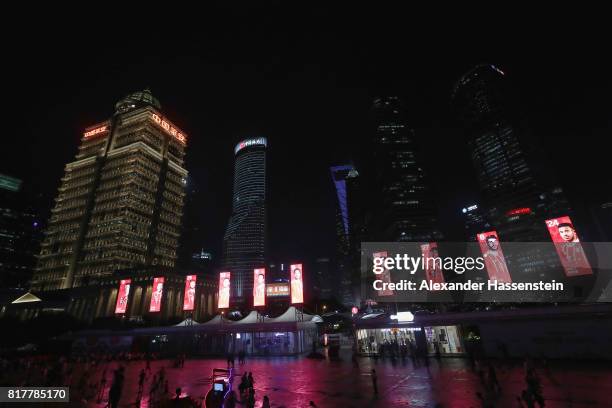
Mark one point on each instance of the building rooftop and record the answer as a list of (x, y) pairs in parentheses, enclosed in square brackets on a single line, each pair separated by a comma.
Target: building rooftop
[(137, 100)]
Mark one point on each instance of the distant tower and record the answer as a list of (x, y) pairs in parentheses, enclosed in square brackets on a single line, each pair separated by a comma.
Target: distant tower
[(516, 184), (403, 205), (244, 243), (344, 282), (120, 202)]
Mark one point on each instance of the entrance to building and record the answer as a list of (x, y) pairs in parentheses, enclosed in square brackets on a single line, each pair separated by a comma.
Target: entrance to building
[(446, 338), (386, 341)]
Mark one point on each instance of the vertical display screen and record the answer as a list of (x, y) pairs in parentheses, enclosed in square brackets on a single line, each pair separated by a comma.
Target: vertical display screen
[(123, 296), (385, 276), (493, 257), (297, 287), (190, 292), (259, 287), (433, 262), (157, 295), (569, 249), (224, 290)]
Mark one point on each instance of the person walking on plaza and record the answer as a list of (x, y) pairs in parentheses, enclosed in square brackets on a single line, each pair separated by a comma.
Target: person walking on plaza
[(251, 398), (114, 394), (493, 379), (251, 382), (266, 402), (102, 386), (534, 387), (243, 385), (374, 382), (141, 378)]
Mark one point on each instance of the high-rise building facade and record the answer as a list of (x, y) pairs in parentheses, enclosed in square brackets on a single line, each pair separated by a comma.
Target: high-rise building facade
[(345, 279), (244, 242), (19, 235), (474, 222), (402, 202), (120, 202), (517, 185)]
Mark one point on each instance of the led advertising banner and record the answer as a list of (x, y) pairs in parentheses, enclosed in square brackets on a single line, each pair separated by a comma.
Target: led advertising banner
[(123, 296), (297, 287), (385, 276), (569, 249), (224, 290), (158, 293), (259, 287), (190, 292), (433, 263), (277, 289), (493, 257)]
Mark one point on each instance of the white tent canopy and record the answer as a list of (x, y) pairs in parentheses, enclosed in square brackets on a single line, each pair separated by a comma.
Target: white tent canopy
[(218, 320), (187, 322), (252, 318), (291, 315)]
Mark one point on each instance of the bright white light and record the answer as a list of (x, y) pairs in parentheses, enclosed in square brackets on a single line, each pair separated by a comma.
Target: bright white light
[(403, 317)]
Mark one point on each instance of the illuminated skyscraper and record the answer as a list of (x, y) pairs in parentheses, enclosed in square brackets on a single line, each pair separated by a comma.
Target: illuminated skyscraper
[(244, 243), (474, 222), (120, 202), (345, 279), (516, 182), (19, 235), (403, 207)]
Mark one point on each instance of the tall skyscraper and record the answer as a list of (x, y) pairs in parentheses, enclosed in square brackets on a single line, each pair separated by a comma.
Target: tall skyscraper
[(120, 202), (403, 206), (19, 235), (516, 182), (345, 277), (474, 222), (244, 242)]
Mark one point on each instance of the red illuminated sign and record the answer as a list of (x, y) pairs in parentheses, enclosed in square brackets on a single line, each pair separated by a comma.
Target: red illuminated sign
[(297, 286), (385, 276), (224, 290), (96, 131), (259, 287), (493, 257), (158, 293), (433, 267), (260, 141), (569, 249), (123, 296), (190, 292), (171, 130), (519, 211)]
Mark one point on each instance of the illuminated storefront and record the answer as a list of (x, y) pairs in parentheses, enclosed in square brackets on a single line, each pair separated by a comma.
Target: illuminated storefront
[(403, 334), (446, 338), (379, 341)]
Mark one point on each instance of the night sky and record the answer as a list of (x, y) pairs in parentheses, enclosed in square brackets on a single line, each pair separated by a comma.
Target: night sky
[(305, 81)]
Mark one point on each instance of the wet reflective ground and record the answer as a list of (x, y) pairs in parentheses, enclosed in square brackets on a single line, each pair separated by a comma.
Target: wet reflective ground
[(451, 382)]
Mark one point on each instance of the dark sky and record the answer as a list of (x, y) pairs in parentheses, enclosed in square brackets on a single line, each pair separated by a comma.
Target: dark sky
[(305, 80)]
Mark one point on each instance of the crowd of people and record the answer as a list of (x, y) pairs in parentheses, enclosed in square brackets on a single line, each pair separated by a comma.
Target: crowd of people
[(101, 379)]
